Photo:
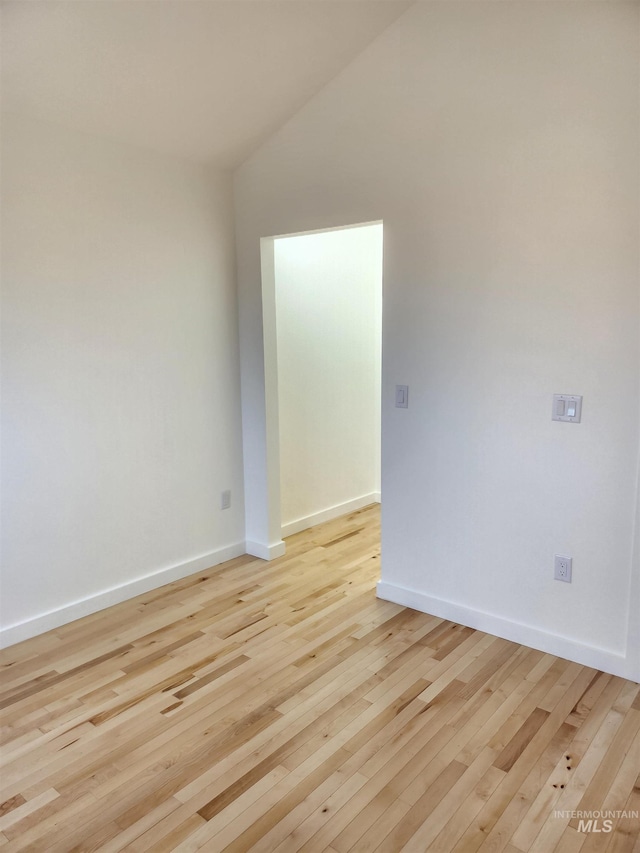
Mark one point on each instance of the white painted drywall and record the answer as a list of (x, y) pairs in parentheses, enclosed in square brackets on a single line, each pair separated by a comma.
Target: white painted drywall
[(499, 144), (329, 334), (120, 373)]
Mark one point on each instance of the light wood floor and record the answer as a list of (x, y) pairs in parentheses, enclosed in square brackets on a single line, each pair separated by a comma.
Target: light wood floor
[(280, 706)]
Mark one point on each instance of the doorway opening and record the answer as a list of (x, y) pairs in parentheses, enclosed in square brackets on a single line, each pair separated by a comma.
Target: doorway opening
[(322, 315)]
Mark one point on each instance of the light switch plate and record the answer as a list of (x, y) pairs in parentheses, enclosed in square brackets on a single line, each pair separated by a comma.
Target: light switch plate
[(567, 408), (402, 396)]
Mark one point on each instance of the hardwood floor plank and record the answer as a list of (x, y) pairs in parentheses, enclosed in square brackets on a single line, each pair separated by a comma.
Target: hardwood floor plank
[(446, 840), (623, 789), (526, 808), (521, 739), (444, 812), (570, 841), (584, 775), (379, 828), (626, 834), (609, 769), (516, 797), (281, 706), (130, 838)]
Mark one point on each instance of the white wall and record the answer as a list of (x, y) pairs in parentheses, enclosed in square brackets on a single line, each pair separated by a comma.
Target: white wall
[(329, 334), (499, 144), (120, 373)]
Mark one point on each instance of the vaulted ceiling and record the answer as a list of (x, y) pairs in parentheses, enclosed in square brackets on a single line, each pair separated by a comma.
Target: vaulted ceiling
[(207, 80)]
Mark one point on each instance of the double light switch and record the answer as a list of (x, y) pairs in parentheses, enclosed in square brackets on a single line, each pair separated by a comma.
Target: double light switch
[(567, 407)]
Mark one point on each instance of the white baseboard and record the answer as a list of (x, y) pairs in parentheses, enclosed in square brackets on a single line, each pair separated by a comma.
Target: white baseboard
[(526, 635), (266, 552), (86, 606), (329, 513)]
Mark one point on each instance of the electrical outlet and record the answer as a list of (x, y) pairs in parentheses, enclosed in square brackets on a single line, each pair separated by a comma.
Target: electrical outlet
[(225, 499), (562, 568)]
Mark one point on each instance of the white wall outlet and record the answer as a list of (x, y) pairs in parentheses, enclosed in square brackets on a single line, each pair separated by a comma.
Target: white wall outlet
[(225, 499), (562, 568)]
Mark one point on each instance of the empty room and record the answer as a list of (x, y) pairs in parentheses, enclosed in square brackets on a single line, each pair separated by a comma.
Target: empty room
[(320, 449)]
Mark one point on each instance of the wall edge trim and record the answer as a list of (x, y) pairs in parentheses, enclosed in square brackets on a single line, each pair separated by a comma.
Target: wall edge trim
[(264, 551), (527, 635), (44, 622), (329, 514)]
